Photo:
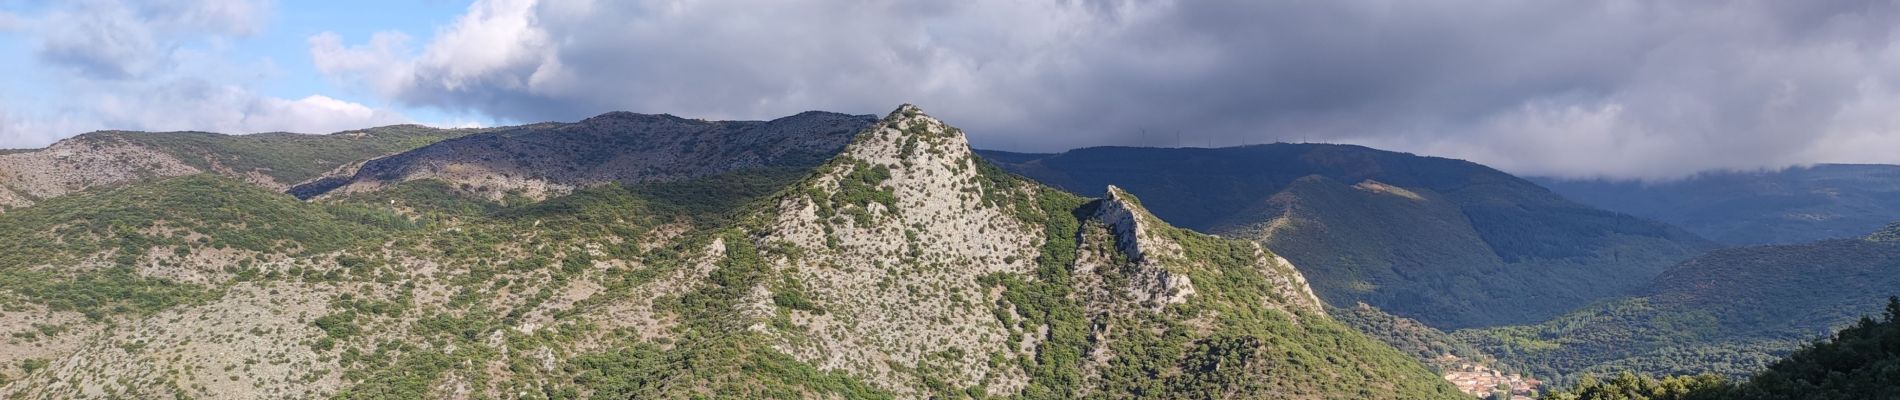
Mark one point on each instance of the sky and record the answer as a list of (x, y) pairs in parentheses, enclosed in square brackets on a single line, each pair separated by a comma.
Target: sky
[(1620, 89)]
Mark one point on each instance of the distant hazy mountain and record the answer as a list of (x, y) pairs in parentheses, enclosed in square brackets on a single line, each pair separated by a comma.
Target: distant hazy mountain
[(1732, 311), (896, 264), (1447, 242), (1794, 205)]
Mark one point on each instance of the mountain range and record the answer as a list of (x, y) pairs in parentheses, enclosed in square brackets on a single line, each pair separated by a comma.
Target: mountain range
[(827, 255), (274, 161), (853, 258)]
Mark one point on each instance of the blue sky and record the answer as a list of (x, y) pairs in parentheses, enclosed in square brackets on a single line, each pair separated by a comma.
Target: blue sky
[(269, 59), (292, 23), (1592, 88)]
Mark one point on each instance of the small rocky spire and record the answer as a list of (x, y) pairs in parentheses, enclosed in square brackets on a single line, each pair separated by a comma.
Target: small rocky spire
[(1122, 213)]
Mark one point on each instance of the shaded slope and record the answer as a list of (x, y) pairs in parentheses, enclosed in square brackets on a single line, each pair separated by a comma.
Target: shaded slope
[(1795, 205), (544, 160), (1448, 242)]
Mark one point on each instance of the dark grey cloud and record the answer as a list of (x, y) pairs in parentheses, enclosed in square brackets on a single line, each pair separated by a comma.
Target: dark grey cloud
[(1578, 88)]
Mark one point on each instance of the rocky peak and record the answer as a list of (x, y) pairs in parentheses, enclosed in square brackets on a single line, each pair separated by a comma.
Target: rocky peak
[(909, 136), (1150, 254), (1124, 216), (890, 234)]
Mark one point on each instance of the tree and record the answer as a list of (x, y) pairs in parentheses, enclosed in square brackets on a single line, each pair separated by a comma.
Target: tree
[(1501, 392)]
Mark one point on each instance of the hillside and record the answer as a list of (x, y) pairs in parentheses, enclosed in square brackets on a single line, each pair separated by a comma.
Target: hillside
[(271, 160), (1855, 363), (1790, 206), (544, 160), (1730, 312), (901, 266), (1447, 242)]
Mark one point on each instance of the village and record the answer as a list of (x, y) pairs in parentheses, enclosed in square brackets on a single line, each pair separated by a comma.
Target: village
[(1483, 382)]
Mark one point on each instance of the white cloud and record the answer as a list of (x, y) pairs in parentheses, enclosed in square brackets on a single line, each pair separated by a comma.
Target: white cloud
[(24, 130), (379, 63), (314, 114), (1586, 88)]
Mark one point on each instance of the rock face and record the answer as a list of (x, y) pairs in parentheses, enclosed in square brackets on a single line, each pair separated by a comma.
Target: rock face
[(543, 160), (1150, 280), (893, 231), (78, 164), (1157, 267)]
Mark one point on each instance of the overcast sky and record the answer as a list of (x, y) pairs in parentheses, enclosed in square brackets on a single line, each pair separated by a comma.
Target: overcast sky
[(1621, 89)]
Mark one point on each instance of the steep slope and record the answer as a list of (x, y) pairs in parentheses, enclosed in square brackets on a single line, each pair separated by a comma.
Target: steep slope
[(270, 160), (903, 267), (1447, 242), (1791, 206), (1730, 312), (544, 160)]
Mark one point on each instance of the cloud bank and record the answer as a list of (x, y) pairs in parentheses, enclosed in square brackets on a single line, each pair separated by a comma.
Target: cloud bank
[(1617, 88)]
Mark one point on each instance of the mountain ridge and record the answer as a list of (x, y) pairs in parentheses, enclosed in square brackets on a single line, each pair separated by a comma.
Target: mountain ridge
[(277, 161), (541, 160)]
